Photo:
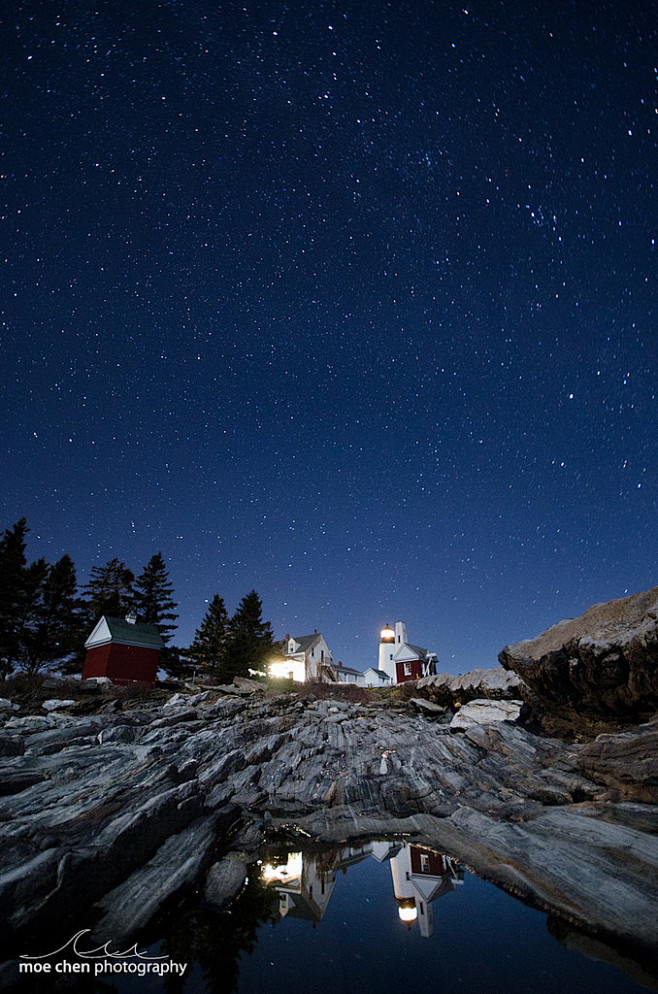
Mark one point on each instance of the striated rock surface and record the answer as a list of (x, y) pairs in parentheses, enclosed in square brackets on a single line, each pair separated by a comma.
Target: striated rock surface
[(627, 762), (495, 684), (604, 662), (485, 712), (114, 814)]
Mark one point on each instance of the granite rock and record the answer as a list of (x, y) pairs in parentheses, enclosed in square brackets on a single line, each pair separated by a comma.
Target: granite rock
[(485, 712), (224, 882), (496, 684), (604, 662)]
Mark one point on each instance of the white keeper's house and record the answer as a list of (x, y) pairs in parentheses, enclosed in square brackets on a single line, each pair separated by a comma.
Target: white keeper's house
[(306, 659)]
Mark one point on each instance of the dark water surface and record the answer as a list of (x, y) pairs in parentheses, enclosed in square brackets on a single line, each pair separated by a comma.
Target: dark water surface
[(384, 918)]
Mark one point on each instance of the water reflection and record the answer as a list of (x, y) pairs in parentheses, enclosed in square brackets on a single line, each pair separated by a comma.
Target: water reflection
[(305, 881), (317, 921)]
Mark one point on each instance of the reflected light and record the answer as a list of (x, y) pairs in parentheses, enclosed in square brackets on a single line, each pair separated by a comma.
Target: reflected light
[(284, 873), (407, 911)]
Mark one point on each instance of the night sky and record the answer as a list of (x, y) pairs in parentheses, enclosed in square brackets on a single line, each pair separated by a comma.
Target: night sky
[(353, 303)]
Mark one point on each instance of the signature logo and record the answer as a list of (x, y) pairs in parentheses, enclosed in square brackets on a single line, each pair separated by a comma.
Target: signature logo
[(72, 958), (100, 952)]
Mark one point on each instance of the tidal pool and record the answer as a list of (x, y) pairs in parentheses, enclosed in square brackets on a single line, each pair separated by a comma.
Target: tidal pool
[(388, 917)]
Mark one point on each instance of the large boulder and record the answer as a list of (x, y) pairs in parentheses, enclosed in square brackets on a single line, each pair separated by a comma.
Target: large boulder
[(224, 882), (485, 713), (605, 662)]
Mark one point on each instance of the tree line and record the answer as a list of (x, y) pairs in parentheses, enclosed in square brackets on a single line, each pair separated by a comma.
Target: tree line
[(45, 617)]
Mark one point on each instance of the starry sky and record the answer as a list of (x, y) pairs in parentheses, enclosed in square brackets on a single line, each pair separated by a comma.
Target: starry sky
[(353, 303)]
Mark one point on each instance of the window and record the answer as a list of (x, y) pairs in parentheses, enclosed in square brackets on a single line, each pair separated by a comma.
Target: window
[(407, 669), (424, 863)]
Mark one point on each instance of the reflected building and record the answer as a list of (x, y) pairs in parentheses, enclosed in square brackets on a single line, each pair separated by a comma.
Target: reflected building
[(420, 877), (305, 881)]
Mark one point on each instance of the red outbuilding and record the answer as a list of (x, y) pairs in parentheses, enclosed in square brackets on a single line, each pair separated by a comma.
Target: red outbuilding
[(123, 649)]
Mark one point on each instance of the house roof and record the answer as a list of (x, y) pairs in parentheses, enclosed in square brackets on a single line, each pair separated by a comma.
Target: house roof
[(110, 629), (407, 651), (305, 642)]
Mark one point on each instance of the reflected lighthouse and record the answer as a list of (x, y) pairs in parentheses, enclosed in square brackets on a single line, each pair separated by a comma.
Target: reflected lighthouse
[(420, 876)]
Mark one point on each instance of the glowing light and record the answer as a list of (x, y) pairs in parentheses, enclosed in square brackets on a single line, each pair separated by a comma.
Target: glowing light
[(387, 634), (287, 669), (284, 874), (408, 914)]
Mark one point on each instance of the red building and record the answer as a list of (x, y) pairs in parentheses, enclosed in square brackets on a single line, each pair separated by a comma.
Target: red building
[(123, 649), (411, 668)]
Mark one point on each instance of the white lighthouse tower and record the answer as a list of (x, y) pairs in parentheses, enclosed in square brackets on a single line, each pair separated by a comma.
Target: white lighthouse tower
[(386, 649)]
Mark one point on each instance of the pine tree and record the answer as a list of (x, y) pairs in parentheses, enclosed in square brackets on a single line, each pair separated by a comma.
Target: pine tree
[(27, 615), (109, 591), (251, 640), (153, 597), (12, 569), (208, 650), (52, 627), (39, 608)]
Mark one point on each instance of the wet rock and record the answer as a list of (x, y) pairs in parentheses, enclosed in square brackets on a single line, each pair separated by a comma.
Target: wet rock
[(486, 712), (131, 905), (604, 662), (224, 882)]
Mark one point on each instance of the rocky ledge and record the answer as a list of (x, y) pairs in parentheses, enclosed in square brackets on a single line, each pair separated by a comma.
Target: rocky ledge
[(115, 811), (604, 663)]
